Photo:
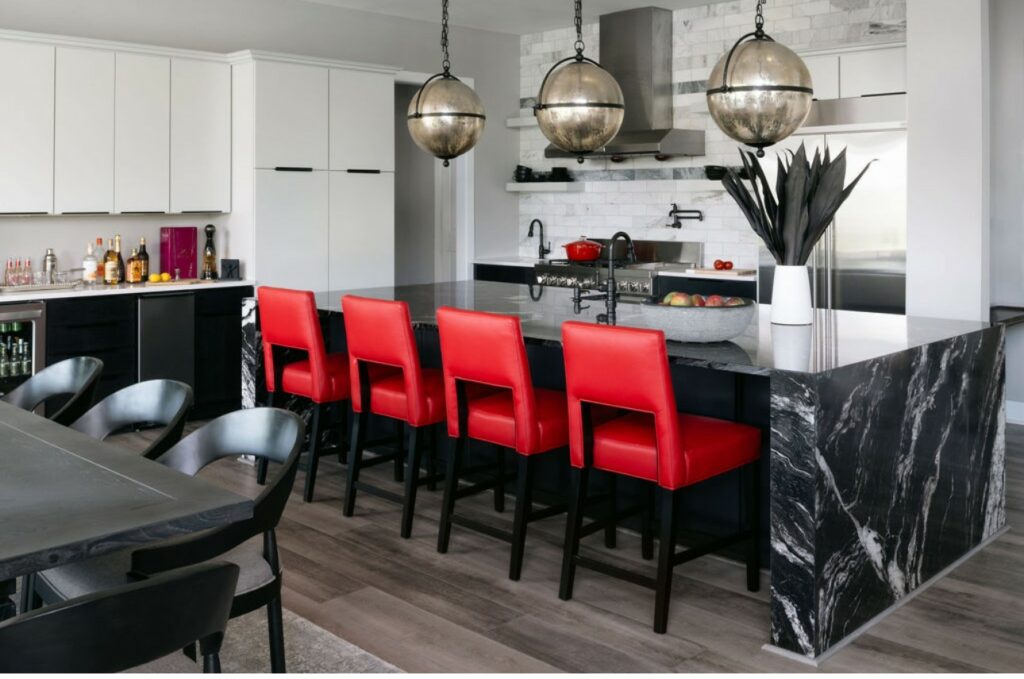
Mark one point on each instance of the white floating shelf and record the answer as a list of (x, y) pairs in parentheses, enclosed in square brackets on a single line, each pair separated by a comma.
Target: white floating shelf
[(544, 187), (521, 121)]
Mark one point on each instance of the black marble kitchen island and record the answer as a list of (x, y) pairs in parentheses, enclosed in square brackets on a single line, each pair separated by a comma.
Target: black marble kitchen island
[(886, 439)]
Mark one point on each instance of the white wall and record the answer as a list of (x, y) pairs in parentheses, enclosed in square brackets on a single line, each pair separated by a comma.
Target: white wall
[(313, 29), (1007, 178), (414, 201), (948, 154)]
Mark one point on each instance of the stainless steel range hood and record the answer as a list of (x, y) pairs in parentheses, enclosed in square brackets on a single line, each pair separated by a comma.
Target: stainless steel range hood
[(636, 48)]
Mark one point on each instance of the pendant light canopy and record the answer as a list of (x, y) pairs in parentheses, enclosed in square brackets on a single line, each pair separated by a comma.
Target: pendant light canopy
[(445, 117), (759, 92), (580, 106)]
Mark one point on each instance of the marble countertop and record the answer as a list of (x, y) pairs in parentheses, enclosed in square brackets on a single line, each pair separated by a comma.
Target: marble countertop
[(122, 289), (836, 339)]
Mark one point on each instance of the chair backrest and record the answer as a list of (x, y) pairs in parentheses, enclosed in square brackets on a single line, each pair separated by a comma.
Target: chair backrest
[(289, 319), (122, 628), (155, 402), (269, 433), (75, 378), (623, 368), (380, 332), (486, 348)]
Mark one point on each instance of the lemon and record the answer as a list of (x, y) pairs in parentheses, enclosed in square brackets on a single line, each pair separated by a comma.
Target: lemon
[(154, 278), (165, 277)]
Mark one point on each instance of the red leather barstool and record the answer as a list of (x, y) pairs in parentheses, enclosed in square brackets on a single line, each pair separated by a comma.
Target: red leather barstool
[(387, 380), (653, 442), (289, 320), (480, 351)]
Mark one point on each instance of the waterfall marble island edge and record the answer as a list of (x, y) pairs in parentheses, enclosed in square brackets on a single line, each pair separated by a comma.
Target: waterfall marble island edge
[(885, 440)]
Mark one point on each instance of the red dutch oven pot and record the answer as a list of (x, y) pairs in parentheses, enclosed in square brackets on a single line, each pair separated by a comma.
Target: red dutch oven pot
[(583, 250)]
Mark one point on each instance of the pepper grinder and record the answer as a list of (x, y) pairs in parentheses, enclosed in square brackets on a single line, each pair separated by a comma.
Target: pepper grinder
[(209, 255)]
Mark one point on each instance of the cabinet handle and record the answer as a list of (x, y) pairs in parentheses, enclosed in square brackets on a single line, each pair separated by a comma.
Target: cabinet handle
[(24, 213), (358, 171), (86, 212), (142, 212), (293, 169), (202, 212)]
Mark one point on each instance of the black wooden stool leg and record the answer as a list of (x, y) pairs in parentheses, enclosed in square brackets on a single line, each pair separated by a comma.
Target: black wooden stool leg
[(28, 588), (451, 485), (412, 477), (573, 527), (524, 505), (499, 479), (610, 533), (400, 455), (647, 525), (355, 458), (314, 451), (432, 458), (666, 552), (753, 479), (275, 627)]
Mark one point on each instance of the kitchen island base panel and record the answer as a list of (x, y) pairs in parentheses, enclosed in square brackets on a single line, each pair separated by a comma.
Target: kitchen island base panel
[(883, 474)]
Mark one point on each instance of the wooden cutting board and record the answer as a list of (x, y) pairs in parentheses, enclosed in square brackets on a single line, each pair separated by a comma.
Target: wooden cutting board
[(723, 272)]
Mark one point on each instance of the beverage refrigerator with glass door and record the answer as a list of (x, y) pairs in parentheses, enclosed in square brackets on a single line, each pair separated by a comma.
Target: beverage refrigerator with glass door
[(22, 343)]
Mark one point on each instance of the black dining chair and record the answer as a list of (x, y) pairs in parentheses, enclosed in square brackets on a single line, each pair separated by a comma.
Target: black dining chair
[(162, 404), (74, 379), (124, 627), (266, 433)]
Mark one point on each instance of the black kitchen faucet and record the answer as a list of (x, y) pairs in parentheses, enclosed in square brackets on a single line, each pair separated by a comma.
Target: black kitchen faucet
[(541, 250)]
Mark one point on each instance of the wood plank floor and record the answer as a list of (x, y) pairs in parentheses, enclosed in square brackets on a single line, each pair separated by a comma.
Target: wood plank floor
[(427, 612)]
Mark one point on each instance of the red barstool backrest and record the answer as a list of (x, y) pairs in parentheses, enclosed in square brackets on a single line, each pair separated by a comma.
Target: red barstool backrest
[(380, 331), (623, 368), (488, 349), (288, 318)]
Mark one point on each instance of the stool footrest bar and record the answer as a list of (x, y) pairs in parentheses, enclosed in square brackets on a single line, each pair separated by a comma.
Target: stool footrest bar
[(379, 492), (615, 571), (708, 547), (484, 528)]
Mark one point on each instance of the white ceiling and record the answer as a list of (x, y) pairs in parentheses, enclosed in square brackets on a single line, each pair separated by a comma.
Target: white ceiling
[(504, 16)]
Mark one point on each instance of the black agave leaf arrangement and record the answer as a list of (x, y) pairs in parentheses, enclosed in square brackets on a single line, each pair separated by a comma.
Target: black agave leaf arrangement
[(806, 199)]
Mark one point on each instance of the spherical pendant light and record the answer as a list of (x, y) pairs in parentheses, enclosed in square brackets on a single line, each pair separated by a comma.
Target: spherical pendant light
[(580, 106), (445, 117), (759, 92)]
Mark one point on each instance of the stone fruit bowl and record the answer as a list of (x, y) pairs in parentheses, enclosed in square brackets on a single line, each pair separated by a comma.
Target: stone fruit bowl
[(691, 318)]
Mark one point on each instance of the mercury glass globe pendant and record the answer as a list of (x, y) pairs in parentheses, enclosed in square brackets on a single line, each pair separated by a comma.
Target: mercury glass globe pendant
[(445, 117), (580, 106), (759, 92)]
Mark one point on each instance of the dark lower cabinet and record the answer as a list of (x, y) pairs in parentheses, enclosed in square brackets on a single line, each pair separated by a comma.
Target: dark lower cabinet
[(195, 337), (499, 273)]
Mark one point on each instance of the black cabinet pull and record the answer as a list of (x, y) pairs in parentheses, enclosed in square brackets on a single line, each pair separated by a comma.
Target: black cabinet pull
[(23, 213), (142, 212), (202, 212), (358, 171), (86, 212), (293, 169)]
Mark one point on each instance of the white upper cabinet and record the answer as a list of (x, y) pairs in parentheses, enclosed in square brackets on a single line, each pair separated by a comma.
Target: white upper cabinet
[(871, 72), (26, 127), (362, 120), (291, 115), (291, 229), (200, 136), (824, 70), (362, 230), (141, 133), (83, 174)]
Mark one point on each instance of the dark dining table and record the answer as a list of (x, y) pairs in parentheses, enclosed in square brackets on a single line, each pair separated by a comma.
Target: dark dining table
[(65, 496)]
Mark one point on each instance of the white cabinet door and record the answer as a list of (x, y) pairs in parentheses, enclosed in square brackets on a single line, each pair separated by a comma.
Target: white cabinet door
[(26, 127), (200, 136), (362, 234), (291, 229), (362, 120), (83, 173), (824, 70), (291, 116), (881, 71), (142, 110)]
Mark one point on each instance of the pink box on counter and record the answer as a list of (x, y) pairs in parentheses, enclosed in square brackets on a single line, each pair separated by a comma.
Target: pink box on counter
[(179, 249)]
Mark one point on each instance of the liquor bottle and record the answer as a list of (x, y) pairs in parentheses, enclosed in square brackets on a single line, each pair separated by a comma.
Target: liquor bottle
[(120, 259), (134, 274), (100, 260), (26, 272), (110, 264), (9, 272), (209, 255), (89, 266), (144, 258)]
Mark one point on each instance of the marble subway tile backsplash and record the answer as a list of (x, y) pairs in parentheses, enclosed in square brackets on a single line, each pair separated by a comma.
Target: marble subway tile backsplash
[(636, 195)]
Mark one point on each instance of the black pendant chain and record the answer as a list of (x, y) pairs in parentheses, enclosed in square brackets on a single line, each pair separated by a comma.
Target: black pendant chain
[(759, 19), (446, 64), (578, 9)]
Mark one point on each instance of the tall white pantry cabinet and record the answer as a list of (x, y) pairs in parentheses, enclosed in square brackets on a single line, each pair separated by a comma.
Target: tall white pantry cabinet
[(313, 172)]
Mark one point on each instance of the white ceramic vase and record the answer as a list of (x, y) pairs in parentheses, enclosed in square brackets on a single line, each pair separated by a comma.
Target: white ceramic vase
[(791, 347), (791, 296)]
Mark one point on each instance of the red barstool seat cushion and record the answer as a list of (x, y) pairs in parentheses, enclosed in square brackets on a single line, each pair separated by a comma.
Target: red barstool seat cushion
[(627, 445), (297, 378), (492, 418), (388, 394)]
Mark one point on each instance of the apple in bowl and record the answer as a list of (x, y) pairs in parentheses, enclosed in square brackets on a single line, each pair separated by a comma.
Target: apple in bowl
[(699, 318)]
